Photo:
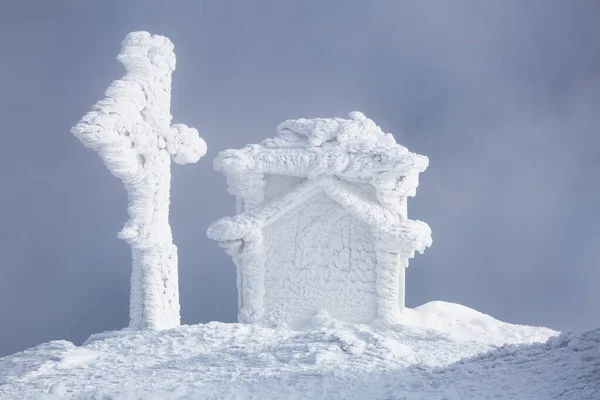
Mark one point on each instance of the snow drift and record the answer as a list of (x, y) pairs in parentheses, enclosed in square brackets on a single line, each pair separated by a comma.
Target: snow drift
[(428, 357)]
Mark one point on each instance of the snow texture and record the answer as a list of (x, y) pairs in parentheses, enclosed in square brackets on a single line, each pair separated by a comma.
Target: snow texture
[(321, 222), (428, 356), (131, 130)]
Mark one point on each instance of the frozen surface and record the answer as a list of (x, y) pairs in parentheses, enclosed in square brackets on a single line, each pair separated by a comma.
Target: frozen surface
[(427, 356), (131, 130), (321, 224), (331, 265)]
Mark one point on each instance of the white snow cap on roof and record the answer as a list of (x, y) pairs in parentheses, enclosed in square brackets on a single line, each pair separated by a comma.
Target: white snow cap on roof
[(355, 149), (356, 132)]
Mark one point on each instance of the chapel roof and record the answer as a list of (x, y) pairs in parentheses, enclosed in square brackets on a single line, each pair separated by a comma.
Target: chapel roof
[(333, 154), (355, 149)]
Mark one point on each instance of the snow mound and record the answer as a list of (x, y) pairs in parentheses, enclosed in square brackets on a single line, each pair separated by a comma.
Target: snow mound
[(356, 133), (464, 323), (565, 367), (422, 358)]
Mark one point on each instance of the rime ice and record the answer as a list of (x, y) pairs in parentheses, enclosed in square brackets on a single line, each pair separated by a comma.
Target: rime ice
[(131, 130), (321, 224)]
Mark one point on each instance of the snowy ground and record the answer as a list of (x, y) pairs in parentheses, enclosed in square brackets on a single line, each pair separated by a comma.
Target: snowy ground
[(440, 351)]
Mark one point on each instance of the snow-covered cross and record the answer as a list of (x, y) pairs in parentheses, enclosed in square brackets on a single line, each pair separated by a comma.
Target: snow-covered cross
[(131, 130)]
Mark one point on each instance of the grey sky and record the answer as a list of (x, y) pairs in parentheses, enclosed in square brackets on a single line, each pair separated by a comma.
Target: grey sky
[(504, 97)]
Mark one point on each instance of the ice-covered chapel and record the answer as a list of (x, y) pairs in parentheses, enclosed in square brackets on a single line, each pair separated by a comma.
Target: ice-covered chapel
[(321, 222)]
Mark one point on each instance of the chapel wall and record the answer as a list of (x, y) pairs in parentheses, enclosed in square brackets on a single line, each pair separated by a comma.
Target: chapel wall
[(319, 257)]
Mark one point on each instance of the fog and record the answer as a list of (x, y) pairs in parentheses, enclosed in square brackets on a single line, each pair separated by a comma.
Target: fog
[(503, 97)]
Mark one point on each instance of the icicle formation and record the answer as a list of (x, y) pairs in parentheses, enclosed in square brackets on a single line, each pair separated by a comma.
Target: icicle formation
[(131, 130)]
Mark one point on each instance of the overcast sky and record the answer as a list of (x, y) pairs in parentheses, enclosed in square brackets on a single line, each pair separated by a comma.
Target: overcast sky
[(504, 97)]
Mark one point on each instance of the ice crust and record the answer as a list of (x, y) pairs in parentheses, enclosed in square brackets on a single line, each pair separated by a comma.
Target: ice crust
[(321, 222), (131, 130), (438, 351)]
